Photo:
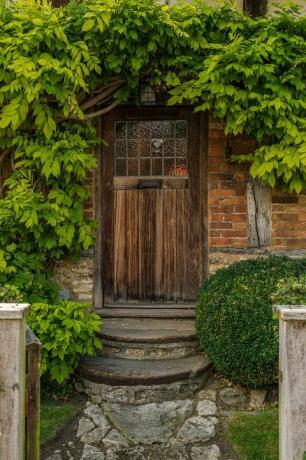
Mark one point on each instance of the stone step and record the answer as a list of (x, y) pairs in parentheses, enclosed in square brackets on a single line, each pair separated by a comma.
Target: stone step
[(147, 330), (183, 306), (118, 371), (131, 338), (144, 312)]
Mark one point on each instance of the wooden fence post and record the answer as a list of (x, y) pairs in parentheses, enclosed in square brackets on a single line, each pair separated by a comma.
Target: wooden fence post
[(292, 400), (12, 381), (33, 348)]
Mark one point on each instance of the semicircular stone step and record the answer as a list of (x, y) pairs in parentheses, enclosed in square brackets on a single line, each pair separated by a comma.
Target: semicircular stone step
[(118, 371), (148, 338), (161, 312)]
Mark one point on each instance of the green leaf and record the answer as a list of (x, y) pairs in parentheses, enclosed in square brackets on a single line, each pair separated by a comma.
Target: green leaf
[(88, 25)]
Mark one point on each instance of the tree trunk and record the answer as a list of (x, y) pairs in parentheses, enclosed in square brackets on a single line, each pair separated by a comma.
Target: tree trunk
[(255, 7)]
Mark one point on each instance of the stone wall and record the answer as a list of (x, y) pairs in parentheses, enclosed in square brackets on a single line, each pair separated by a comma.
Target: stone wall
[(76, 277)]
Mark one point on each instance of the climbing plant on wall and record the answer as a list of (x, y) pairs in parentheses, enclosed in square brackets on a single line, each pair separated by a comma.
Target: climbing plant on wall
[(62, 68)]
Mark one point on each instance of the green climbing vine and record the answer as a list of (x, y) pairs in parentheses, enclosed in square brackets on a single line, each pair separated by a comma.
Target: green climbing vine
[(61, 68)]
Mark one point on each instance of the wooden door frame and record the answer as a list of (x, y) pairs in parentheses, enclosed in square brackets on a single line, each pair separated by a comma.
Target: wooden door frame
[(103, 192)]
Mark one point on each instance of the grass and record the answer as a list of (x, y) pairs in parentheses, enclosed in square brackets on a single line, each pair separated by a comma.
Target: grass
[(53, 415), (255, 436)]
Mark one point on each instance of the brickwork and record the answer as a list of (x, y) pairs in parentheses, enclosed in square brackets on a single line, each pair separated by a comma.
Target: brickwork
[(228, 227)]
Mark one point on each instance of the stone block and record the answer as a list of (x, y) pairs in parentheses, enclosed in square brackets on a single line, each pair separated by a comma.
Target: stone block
[(205, 453), (206, 407), (196, 429)]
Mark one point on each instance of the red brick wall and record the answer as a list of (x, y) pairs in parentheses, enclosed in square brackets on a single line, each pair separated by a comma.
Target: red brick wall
[(288, 221), (227, 200), (227, 206)]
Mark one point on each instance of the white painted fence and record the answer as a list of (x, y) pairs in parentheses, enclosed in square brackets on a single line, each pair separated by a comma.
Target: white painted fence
[(292, 381), (12, 381)]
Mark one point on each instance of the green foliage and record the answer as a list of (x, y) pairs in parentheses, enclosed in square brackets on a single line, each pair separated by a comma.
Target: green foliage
[(66, 331), (54, 61), (9, 293), (234, 318), (291, 291)]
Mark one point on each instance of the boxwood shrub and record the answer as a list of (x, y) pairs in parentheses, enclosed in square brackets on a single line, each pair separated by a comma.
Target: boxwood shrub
[(234, 319)]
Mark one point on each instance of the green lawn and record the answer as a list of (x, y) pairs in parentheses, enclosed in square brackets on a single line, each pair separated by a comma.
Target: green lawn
[(255, 436), (53, 415)]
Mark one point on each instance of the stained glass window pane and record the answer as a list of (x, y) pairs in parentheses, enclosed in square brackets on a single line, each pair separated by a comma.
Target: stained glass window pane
[(169, 167), (181, 168), (169, 148), (132, 147), (132, 130), (120, 167), (144, 148), (157, 167), (156, 147), (144, 167), (144, 129), (120, 149), (120, 130), (181, 148), (132, 167)]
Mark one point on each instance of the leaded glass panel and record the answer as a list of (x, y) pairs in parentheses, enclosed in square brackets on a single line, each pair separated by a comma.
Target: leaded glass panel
[(151, 148)]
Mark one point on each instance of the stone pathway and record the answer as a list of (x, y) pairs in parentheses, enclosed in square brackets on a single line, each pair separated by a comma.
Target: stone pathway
[(182, 429), (149, 393)]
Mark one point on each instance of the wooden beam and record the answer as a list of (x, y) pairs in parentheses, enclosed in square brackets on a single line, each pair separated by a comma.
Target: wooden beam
[(259, 214)]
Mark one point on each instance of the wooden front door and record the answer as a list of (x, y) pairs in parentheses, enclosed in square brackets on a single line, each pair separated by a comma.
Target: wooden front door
[(153, 193)]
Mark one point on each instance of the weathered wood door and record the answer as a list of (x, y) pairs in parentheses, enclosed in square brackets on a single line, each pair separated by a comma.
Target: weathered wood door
[(153, 193)]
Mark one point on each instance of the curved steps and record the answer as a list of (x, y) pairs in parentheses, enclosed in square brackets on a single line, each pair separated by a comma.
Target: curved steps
[(148, 338), (118, 371), (146, 346)]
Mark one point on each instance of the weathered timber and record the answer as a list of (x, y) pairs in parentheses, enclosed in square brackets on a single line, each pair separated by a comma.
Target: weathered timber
[(259, 214), (292, 381), (12, 381), (33, 348), (154, 241)]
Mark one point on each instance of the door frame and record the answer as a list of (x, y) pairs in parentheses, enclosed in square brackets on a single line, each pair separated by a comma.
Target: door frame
[(103, 191)]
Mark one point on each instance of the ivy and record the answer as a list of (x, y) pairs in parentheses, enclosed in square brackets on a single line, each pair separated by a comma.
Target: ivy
[(61, 68)]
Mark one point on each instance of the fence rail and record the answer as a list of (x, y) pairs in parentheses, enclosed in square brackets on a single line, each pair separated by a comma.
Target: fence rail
[(33, 348)]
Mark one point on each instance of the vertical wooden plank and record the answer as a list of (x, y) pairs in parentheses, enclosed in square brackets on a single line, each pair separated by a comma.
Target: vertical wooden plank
[(132, 244), (107, 206), (194, 150), (33, 400), (169, 257), (147, 238), (259, 213), (97, 282), (182, 244), (203, 193), (159, 247), (12, 381), (120, 245), (292, 382)]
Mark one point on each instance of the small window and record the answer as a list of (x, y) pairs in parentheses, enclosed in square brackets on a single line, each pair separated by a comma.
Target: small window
[(151, 148)]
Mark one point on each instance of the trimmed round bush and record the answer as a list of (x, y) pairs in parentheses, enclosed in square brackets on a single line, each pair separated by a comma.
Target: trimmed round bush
[(234, 318)]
